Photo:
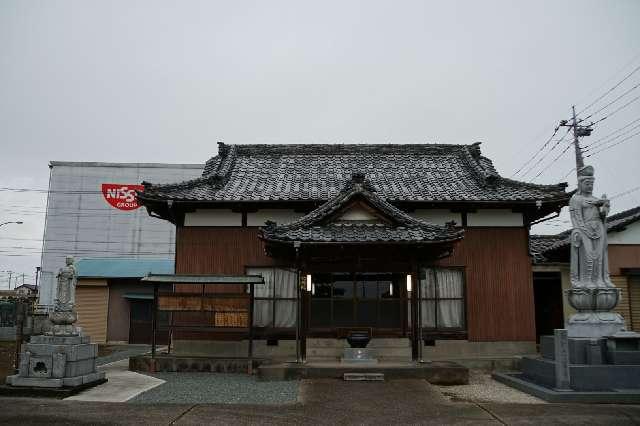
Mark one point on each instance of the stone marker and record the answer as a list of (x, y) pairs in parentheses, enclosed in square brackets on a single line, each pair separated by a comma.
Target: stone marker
[(563, 379)]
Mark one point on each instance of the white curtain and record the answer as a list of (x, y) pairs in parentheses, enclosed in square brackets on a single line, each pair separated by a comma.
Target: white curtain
[(279, 283), (285, 286), (263, 309), (442, 283), (450, 285)]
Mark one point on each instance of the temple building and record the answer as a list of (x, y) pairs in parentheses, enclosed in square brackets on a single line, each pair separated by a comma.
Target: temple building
[(426, 244)]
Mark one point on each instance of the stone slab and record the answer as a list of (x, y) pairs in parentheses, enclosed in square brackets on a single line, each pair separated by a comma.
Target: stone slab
[(80, 368), (16, 380), (624, 357), (39, 392), (602, 377), (60, 340), (518, 381), (440, 373)]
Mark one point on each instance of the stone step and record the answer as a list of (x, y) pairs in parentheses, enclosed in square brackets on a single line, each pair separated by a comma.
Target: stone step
[(349, 377), (374, 343), (380, 353)]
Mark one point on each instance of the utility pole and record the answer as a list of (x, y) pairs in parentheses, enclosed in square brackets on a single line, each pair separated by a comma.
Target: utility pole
[(578, 131), (10, 272)]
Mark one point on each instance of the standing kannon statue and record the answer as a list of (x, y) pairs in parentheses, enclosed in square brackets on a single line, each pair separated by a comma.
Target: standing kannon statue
[(64, 313), (592, 293), (589, 264)]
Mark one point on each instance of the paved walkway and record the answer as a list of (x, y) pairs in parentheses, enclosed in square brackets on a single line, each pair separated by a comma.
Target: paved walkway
[(121, 386), (322, 402)]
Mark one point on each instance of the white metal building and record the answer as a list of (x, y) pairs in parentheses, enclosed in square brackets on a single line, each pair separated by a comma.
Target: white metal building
[(91, 213)]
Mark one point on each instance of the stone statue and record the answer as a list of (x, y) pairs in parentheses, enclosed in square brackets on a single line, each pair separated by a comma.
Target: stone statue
[(64, 313), (589, 262), (592, 293), (65, 290)]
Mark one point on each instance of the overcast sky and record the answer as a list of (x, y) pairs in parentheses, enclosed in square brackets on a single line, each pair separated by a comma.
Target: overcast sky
[(159, 81)]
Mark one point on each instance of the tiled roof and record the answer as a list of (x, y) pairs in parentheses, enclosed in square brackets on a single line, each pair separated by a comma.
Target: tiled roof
[(539, 245), (397, 226), (416, 172)]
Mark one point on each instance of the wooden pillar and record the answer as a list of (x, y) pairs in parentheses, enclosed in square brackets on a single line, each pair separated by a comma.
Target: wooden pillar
[(154, 323), (250, 355)]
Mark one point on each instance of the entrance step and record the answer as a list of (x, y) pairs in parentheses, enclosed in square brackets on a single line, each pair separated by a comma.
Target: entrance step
[(359, 377), (384, 349)]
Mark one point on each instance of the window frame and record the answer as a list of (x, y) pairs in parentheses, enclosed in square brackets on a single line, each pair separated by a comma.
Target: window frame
[(436, 299), (273, 298)]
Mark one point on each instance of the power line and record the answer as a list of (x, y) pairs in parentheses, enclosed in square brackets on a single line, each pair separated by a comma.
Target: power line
[(607, 141), (617, 110), (611, 146), (610, 90), (612, 133), (554, 161), (546, 154), (610, 103), (627, 192), (555, 131)]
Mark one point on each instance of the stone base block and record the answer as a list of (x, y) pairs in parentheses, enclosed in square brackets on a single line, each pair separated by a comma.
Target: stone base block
[(594, 325)]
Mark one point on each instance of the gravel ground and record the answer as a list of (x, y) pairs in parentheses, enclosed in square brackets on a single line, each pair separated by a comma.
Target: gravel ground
[(208, 388), (482, 388), (123, 352)]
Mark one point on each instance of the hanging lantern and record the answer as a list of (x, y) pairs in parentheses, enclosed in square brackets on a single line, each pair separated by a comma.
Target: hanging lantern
[(309, 282), (408, 282)]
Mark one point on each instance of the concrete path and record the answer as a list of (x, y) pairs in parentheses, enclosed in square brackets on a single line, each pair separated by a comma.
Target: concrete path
[(322, 402), (121, 385)]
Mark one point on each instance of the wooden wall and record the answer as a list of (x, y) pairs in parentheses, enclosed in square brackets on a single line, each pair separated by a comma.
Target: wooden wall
[(209, 250), (499, 281), (498, 272), (623, 256)]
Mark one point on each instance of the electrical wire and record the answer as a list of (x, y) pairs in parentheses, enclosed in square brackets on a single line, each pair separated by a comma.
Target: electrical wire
[(555, 131), (612, 133), (558, 142), (610, 90), (609, 104), (607, 141), (611, 146)]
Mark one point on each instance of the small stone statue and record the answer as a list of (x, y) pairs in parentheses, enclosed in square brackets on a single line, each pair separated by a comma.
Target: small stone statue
[(592, 293), (589, 261), (67, 279), (64, 313)]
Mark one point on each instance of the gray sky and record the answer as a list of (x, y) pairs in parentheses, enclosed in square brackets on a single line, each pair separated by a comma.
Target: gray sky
[(159, 81)]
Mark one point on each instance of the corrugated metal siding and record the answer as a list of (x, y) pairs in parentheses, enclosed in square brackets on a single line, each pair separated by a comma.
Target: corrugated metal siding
[(499, 282), (634, 301), (623, 304), (92, 303)]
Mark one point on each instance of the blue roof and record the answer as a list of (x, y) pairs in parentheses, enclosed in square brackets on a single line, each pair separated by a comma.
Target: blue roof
[(122, 268)]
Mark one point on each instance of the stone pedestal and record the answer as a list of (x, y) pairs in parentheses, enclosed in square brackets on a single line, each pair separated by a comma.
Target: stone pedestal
[(594, 364), (57, 361)]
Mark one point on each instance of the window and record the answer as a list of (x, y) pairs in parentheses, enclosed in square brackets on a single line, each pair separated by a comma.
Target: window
[(275, 301), (356, 300), (442, 298)]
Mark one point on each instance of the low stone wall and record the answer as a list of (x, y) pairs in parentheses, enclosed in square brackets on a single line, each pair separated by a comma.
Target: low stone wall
[(284, 350), (175, 363)]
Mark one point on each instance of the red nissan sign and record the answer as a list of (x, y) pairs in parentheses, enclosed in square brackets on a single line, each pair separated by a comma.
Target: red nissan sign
[(121, 195)]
